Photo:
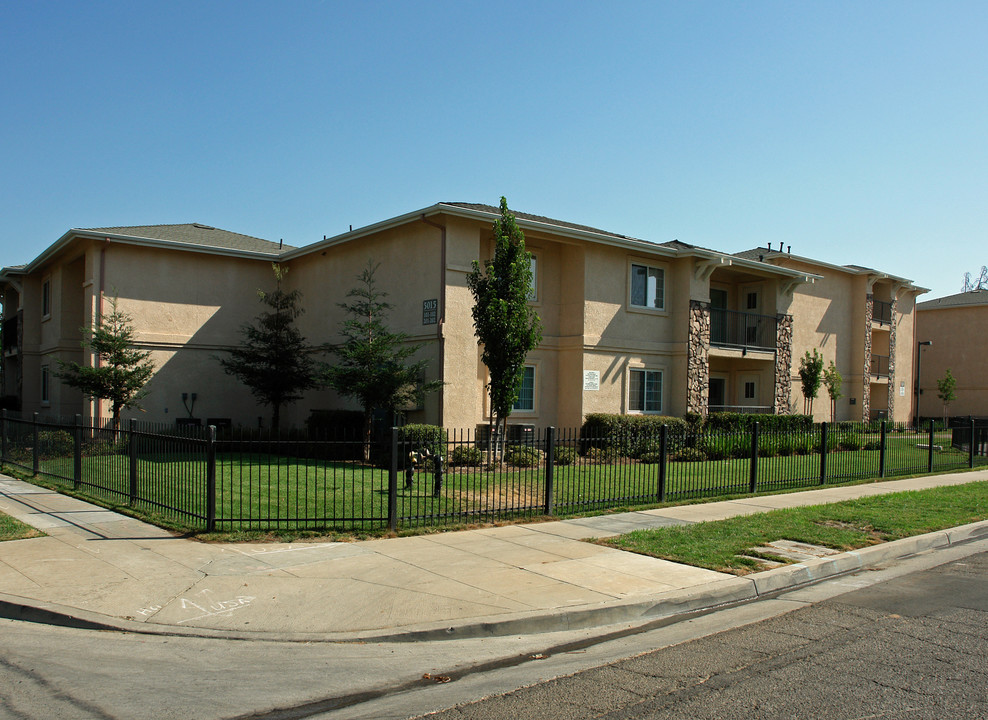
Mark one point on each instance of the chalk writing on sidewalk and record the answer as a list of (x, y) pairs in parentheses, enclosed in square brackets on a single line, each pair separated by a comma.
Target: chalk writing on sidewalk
[(206, 606)]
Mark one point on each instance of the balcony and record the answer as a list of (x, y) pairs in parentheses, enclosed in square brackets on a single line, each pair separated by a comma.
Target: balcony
[(881, 312), (11, 334), (734, 329), (879, 366)]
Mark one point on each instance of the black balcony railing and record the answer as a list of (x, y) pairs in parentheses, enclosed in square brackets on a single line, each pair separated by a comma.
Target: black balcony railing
[(747, 409), (732, 328), (879, 365), (882, 312)]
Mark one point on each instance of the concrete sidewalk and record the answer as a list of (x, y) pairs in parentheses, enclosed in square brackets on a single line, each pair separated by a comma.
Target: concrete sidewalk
[(102, 569)]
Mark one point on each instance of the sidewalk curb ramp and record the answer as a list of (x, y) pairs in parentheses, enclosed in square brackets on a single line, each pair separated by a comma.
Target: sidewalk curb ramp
[(675, 604)]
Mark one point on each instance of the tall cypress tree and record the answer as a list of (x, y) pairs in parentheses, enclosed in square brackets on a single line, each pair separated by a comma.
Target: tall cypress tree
[(506, 325)]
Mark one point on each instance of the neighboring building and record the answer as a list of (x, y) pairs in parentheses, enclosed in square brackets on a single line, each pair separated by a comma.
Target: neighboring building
[(629, 326), (956, 325), (864, 321)]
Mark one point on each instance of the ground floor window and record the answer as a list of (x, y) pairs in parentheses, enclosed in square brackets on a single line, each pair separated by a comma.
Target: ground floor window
[(45, 382), (645, 391), (526, 394)]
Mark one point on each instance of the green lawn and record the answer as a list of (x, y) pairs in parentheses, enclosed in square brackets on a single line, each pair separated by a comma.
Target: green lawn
[(845, 525), (272, 492), (11, 529)]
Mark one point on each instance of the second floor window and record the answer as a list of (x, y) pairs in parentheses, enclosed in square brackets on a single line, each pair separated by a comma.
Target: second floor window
[(647, 287), (46, 298)]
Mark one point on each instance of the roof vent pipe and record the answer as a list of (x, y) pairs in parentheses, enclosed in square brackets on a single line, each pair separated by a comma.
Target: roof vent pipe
[(780, 247), (789, 249)]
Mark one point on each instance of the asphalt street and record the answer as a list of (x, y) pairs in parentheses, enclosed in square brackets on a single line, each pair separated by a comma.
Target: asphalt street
[(912, 647)]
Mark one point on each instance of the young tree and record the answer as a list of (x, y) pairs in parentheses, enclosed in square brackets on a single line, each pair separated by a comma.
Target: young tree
[(832, 380), (120, 371), (506, 325), (373, 365), (810, 373), (274, 360), (946, 391)]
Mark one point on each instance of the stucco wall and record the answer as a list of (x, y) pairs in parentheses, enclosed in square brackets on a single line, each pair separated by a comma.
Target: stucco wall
[(959, 343)]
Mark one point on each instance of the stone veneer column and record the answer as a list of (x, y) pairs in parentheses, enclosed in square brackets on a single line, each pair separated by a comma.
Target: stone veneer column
[(892, 359), (783, 364), (866, 385), (698, 358)]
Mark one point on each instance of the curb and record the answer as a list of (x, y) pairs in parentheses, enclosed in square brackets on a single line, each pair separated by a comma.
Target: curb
[(664, 606)]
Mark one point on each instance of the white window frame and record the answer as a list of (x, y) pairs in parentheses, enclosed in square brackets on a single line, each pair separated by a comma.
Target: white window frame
[(46, 298), (515, 410), (46, 385), (631, 400), (648, 265)]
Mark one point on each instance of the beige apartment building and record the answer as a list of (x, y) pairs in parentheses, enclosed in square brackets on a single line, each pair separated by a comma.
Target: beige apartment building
[(957, 327), (629, 326)]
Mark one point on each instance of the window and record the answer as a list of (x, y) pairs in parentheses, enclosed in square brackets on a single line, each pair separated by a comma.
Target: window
[(749, 391), (645, 391), (534, 267), (526, 394), (752, 301), (647, 287), (46, 298), (45, 380)]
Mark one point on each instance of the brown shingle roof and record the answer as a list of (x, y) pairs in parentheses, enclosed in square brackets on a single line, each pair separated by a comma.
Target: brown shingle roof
[(975, 297)]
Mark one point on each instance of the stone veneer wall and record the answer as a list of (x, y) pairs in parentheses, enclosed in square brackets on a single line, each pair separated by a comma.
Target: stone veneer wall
[(892, 361), (866, 385), (698, 354), (783, 364)]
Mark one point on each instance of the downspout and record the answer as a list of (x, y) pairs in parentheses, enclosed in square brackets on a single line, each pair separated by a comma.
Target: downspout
[(442, 315), (99, 312)]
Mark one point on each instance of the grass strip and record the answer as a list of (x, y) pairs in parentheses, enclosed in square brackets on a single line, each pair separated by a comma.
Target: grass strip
[(847, 525), (11, 529)]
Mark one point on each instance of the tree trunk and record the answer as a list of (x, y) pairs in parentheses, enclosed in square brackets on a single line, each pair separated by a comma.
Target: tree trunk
[(276, 417), (368, 426)]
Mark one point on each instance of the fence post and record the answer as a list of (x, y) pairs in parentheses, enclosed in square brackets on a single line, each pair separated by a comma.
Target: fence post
[(550, 463), (77, 453), (211, 478), (663, 448), (753, 472), (881, 451), (3, 435), (970, 445), (36, 464), (132, 452), (929, 461), (393, 483), (823, 452)]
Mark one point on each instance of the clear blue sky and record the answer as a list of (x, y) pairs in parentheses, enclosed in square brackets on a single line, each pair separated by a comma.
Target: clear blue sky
[(857, 132)]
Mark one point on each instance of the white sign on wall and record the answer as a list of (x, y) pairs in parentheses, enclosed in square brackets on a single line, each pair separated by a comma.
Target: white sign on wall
[(591, 380), (902, 389)]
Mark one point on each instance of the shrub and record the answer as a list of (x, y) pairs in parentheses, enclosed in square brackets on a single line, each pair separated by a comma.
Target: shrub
[(689, 454), (104, 446), (466, 455), (523, 456), (851, 441), (740, 422), (601, 455), (872, 445), (723, 447), (55, 443), (630, 435), (564, 455)]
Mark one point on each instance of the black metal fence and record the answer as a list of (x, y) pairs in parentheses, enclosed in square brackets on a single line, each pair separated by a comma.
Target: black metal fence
[(246, 480)]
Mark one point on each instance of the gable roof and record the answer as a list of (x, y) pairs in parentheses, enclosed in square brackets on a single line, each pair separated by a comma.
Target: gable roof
[(196, 237), (541, 219), (964, 299), (196, 234), (767, 255)]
